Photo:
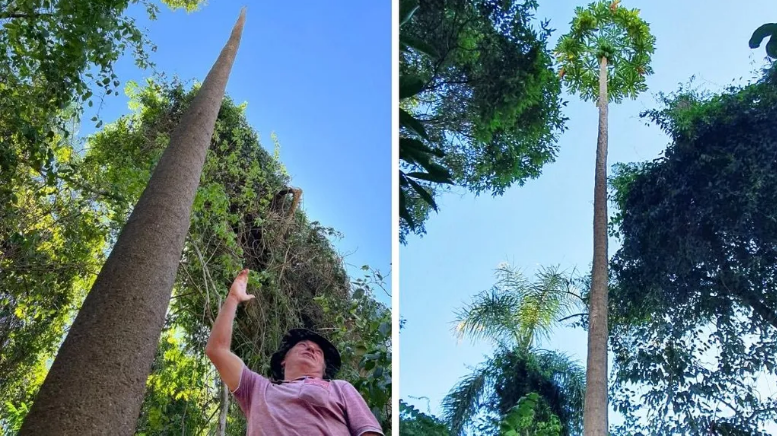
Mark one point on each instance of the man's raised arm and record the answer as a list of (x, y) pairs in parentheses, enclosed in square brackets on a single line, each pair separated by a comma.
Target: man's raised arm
[(228, 364)]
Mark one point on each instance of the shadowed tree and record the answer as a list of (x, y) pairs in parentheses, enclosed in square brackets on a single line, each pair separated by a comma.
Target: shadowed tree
[(696, 274), (605, 56), (97, 381), (484, 398), (766, 31)]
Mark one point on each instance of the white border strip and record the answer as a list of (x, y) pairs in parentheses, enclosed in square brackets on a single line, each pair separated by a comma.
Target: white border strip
[(395, 347)]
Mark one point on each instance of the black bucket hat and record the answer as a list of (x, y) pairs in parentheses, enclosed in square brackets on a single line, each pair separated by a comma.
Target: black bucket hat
[(331, 355)]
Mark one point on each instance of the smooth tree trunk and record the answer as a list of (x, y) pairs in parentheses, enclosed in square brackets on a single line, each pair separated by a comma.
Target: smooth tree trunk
[(595, 408), (98, 379), (224, 407)]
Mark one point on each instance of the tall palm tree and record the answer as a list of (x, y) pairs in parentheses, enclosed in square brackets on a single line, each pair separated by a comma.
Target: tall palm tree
[(605, 56), (515, 314), (97, 381)]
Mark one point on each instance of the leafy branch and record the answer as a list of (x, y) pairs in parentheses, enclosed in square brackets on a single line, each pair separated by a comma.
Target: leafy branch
[(412, 150)]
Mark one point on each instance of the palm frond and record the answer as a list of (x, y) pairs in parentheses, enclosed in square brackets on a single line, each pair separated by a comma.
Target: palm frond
[(569, 378), (541, 304), (463, 402), (516, 311), (490, 316)]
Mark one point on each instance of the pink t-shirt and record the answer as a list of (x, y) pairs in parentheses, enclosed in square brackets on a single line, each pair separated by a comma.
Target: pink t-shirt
[(309, 406)]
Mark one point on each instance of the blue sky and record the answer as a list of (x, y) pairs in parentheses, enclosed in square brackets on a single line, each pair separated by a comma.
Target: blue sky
[(549, 220), (319, 76)]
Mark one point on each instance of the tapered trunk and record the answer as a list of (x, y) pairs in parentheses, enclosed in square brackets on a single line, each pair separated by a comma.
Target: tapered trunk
[(97, 381), (595, 408)]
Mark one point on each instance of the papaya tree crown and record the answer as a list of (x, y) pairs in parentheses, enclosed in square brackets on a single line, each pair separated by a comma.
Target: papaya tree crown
[(606, 30)]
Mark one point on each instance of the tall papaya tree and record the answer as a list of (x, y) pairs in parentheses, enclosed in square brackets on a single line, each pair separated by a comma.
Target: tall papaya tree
[(604, 57), (97, 381)]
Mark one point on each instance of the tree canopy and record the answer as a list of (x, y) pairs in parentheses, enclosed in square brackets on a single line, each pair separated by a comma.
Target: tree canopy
[(694, 281), (606, 30), (55, 55), (485, 94), (481, 400), (530, 416)]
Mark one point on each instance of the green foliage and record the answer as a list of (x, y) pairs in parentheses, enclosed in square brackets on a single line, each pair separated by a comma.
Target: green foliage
[(482, 400), (768, 30), (694, 280), (514, 314), (363, 337), (55, 55), (240, 218), (606, 30), (17, 400), (51, 246), (414, 422), (478, 84), (412, 150), (14, 417), (188, 5), (531, 416), (181, 391)]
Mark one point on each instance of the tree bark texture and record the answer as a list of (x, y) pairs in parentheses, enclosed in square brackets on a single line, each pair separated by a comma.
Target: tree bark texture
[(98, 379), (224, 407), (595, 408)]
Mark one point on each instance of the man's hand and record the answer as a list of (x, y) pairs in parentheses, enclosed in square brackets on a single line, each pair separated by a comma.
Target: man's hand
[(229, 365), (238, 289)]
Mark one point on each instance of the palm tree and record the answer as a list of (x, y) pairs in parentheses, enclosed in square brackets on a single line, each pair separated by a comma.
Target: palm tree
[(605, 56), (97, 381), (515, 314)]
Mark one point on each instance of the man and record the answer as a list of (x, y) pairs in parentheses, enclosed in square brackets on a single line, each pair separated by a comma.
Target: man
[(303, 398)]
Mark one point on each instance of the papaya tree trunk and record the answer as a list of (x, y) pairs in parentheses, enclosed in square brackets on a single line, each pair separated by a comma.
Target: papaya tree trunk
[(97, 381), (595, 408)]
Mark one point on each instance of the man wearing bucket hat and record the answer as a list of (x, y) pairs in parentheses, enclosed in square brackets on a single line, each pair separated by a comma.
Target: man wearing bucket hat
[(302, 398)]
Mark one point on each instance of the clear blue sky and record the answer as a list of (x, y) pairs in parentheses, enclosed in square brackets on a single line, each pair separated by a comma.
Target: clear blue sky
[(549, 220), (319, 76)]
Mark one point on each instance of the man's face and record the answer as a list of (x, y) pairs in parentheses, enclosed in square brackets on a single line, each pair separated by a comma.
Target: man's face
[(305, 357)]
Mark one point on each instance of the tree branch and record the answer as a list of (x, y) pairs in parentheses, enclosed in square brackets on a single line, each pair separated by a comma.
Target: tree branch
[(92, 190), (10, 15), (762, 310), (573, 315)]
